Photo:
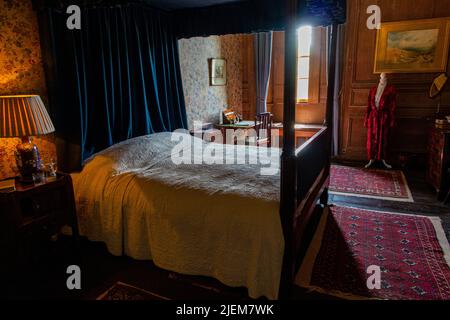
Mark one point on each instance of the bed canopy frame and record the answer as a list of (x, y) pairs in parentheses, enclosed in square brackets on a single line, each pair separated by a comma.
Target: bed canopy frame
[(305, 170)]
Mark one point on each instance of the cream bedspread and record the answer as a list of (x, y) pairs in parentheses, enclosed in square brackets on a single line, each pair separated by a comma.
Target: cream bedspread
[(212, 220)]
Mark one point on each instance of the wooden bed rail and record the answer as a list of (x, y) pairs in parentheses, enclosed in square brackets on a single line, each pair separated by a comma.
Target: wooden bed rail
[(305, 171), (311, 158), (313, 172), (311, 179)]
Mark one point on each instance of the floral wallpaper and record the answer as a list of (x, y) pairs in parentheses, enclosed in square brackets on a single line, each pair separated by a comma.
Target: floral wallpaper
[(205, 102), (21, 71)]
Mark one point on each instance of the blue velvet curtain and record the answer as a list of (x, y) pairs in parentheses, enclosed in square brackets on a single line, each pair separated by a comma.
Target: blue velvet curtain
[(116, 78)]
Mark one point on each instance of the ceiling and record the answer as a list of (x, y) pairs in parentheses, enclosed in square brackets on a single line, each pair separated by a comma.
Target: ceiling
[(183, 4)]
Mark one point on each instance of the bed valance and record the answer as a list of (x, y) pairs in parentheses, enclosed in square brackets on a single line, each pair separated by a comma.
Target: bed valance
[(254, 16), (231, 17)]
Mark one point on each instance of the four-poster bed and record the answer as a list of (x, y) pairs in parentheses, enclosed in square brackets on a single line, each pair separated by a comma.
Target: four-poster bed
[(305, 170)]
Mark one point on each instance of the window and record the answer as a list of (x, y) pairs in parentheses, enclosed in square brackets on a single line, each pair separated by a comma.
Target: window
[(303, 62)]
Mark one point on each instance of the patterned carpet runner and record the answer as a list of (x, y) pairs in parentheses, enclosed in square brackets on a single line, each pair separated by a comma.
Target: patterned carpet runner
[(369, 183), (411, 252)]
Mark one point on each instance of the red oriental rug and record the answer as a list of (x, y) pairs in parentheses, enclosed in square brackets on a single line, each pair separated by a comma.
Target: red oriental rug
[(370, 183), (411, 253)]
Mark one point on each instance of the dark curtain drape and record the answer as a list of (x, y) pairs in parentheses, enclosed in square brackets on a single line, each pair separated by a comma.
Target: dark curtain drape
[(263, 61), (116, 78)]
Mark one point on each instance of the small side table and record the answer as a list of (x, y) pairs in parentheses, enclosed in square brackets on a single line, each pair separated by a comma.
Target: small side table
[(243, 126), (206, 134), (35, 210)]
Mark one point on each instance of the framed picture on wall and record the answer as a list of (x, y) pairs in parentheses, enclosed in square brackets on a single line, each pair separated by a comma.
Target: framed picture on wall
[(413, 46), (218, 72)]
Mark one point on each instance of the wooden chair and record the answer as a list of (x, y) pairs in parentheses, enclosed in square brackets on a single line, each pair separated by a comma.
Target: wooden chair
[(263, 127)]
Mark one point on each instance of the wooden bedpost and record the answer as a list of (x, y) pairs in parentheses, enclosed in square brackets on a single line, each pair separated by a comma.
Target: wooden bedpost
[(332, 40), (331, 74), (288, 193)]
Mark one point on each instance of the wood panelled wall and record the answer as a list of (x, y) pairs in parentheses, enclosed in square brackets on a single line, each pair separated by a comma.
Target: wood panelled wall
[(415, 112), (248, 78)]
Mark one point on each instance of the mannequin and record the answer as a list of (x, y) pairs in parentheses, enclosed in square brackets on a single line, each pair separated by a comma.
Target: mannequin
[(379, 120)]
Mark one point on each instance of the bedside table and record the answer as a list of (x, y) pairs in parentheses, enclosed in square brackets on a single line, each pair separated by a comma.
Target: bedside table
[(35, 212), (439, 161)]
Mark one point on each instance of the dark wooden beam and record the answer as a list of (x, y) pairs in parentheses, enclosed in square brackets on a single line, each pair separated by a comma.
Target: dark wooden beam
[(288, 193), (332, 45)]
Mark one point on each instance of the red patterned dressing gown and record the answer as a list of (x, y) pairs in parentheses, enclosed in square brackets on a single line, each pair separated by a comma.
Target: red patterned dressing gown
[(378, 122)]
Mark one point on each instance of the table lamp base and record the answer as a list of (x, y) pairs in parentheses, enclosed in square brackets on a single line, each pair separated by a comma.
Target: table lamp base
[(28, 159)]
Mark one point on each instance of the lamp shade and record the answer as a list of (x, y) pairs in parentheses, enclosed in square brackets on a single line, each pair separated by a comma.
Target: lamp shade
[(22, 116)]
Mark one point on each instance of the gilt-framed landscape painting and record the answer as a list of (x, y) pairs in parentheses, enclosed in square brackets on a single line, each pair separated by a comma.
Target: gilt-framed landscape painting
[(218, 71), (414, 46)]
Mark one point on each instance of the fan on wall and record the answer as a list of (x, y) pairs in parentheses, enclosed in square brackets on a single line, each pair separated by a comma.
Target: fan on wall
[(436, 89)]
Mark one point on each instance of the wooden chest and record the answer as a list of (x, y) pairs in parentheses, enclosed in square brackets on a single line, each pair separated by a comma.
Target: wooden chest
[(438, 160)]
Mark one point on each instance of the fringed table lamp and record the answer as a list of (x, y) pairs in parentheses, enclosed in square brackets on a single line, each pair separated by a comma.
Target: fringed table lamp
[(24, 116)]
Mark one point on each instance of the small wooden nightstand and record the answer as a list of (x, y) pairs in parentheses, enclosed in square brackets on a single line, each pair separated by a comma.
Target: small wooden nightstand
[(34, 212), (439, 161)]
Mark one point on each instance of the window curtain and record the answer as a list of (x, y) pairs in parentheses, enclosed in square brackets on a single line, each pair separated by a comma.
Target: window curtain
[(263, 60), (339, 57), (116, 78)]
